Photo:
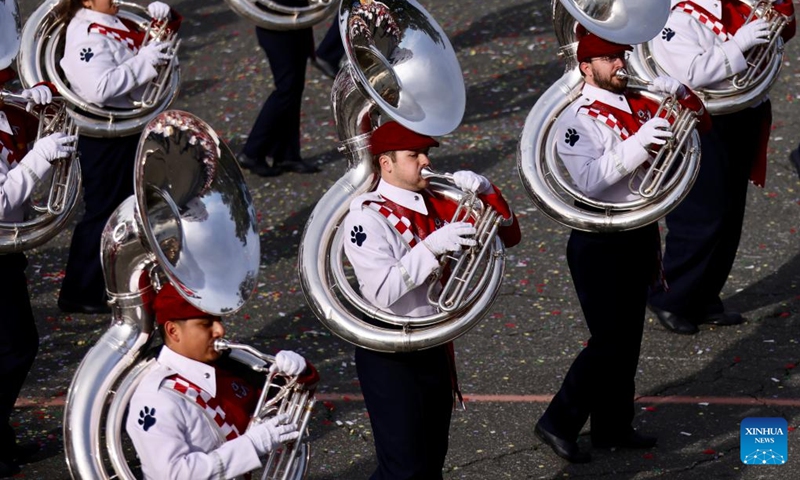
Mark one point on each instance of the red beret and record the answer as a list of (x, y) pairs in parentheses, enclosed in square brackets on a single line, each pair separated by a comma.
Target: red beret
[(393, 136), (593, 46), (170, 305), (6, 75)]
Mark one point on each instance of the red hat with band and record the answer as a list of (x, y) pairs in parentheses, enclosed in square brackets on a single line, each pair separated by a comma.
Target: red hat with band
[(169, 305), (591, 46), (392, 136)]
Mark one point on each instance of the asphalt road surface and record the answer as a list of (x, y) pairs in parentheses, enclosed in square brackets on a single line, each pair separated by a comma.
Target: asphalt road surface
[(693, 391)]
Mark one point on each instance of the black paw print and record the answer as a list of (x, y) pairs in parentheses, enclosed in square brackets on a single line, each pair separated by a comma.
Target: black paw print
[(667, 34), (86, 54), (147, 417), (572, 137), (358, 236)]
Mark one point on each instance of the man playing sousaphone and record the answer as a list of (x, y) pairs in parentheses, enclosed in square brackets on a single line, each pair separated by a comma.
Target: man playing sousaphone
[(705, 44), (107, 65), (604, 136), (21, 169), (188, 416), (397, 234)]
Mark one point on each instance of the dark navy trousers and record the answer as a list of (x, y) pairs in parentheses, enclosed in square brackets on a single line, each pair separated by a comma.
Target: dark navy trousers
[(107, 173), (409, 397), (19, 341), (612, 273), (276, 131), (705, 229)]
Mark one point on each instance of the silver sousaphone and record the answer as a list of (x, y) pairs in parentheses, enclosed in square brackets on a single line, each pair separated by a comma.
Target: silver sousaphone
[(191, 223), (403, 68), (286, 15), (541, 171), (42, 47)]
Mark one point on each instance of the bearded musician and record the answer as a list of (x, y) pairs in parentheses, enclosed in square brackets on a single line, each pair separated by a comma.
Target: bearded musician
[(603, 138), (21, 169), (704, 44), (106, 65)]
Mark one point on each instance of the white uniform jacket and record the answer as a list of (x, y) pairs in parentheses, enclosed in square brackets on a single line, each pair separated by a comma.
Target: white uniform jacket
[(174, 437), (17, 181), (102, 70), (693, 54), (388, 271), (595, 156)]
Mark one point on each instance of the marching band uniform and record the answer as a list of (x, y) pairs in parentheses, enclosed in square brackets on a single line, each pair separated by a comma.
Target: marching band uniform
[(703, 45), (107, 66), (601, 141), (188, 418), (20, 171), (409, 396)]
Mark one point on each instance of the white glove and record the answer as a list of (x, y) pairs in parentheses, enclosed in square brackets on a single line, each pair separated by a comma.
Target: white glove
[(275, 431), (653, 133), (667, 86), (38, 95), (288, 363), (450, 238), (55, 146), (154, 54), (471, 182), (752, 34), (158, 10)]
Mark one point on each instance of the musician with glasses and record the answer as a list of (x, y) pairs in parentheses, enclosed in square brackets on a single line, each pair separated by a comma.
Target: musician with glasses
[(603, 137), (189, 415), (23, 165), (396, 234), (106, 65), (704, 44)]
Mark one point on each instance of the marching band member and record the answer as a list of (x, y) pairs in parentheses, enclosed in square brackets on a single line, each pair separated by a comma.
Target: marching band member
[(703, 45), (20, 170), (396, 234), (603, 138), (107, 66), (173, 437)]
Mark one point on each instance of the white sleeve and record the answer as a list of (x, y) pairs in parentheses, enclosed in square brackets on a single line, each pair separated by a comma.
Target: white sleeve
[(159, 425), (17, 184), (385, 268), (692, 54), (595, 157), (90, 63)]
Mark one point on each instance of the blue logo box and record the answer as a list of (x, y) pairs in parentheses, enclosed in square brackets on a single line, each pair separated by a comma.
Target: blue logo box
[(763, 441)]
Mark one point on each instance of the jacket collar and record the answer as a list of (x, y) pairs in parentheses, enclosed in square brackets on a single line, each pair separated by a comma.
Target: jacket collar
[(104, 19), (713, 7), (199, 373), (405, 198)]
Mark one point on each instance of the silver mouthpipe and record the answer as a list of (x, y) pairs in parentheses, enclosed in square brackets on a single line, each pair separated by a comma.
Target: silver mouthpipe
[(428, 173), (623, 74)]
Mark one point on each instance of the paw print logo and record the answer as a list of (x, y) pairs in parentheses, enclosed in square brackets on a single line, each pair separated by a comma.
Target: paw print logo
[(357, 235), (572, 137), (86, 54), (667, 34), (147, 417)]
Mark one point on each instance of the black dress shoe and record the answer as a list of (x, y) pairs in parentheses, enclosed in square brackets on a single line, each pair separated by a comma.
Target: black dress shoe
[(565, 449), (794, 157), (260, 168), (327, 68), (674, 322), (299, 166), (634, 440), (67, 306), (7, 469), (723, 319)]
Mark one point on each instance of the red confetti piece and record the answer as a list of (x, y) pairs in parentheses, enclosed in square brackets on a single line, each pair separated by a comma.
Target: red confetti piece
[(791, 429), (650, 409), (346, 398), (709, 451), (784, 314), (648, 456), (789, 366), (555, 312), (511, 325), (247, 316), (329, 405), (737, 359), (326, 422)]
